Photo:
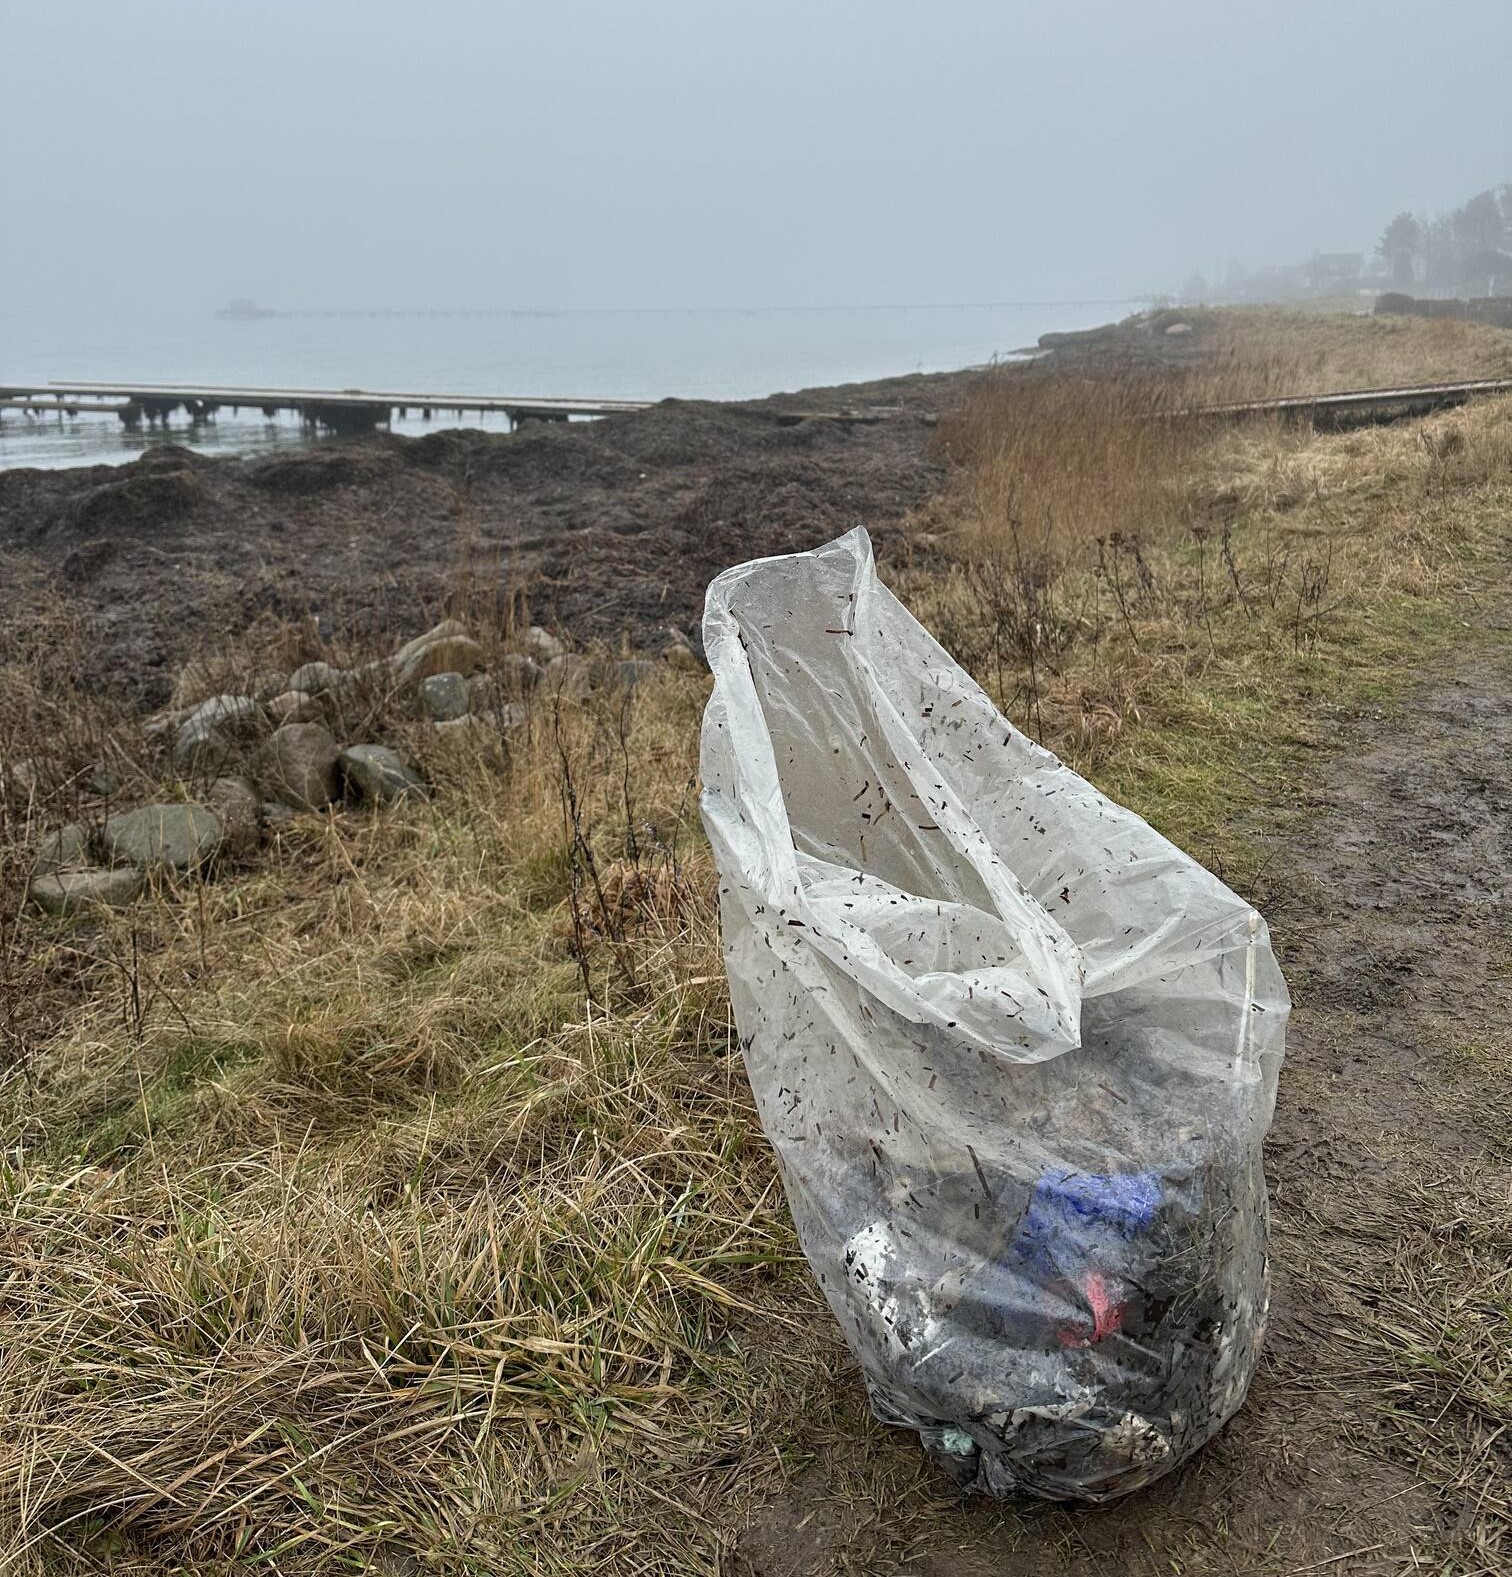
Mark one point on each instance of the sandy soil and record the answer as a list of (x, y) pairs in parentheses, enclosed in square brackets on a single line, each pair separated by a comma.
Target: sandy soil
[(1391, 911)]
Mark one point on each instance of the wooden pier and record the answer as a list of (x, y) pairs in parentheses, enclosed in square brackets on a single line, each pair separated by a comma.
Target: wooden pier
[(362, 410), (338, 410)]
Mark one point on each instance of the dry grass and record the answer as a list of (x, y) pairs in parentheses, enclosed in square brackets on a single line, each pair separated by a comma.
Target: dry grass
[(1102, 568), (366, 1197), (401, 1195), (1317, 352)]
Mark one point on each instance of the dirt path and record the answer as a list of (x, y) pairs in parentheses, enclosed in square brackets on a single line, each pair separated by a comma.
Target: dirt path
[(1368, 1443)]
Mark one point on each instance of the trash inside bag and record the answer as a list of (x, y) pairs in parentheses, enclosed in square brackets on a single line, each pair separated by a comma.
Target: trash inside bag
[(1016, 1053)]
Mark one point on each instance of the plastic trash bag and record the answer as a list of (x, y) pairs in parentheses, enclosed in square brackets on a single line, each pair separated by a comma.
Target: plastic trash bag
[(1016, 1053)]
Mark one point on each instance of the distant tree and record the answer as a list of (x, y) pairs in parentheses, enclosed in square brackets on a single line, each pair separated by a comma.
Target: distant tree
[(1399, 245), (1480, 226), (1441, 254), (1195, 291)]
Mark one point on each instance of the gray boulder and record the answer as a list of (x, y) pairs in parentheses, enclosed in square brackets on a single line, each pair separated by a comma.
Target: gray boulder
[(376, 775), (69, 892), (542, 645), (568, 676), (517, 675), (67, 849), (446, 649), (235, 801), (201, 750), (294, 706), (106, 779), (299, 766), (317, 678), (483, 724), (18, 779), (444, 696), (175, 837), (447, 629), (234, 715)]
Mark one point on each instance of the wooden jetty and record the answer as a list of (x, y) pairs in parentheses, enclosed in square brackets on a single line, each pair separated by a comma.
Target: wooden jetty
[(340, 410), (362, 410)]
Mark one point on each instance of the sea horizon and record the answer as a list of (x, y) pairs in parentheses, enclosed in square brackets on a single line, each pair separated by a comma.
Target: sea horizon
[(638, 353)]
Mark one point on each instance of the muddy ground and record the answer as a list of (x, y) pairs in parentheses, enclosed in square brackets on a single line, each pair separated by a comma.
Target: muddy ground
[(1391, 911), (611, 528)]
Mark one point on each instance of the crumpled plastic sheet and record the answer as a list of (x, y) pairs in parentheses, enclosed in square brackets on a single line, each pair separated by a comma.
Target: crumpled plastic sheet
[(1016, 1053)]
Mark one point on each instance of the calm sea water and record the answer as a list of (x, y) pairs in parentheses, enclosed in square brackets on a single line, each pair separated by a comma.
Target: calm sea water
[(717, 354)]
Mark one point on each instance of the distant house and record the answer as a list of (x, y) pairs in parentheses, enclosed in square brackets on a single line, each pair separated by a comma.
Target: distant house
[(1335, 270)]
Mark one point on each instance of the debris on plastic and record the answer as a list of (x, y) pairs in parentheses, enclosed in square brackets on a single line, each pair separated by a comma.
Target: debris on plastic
[(1016, 1053)]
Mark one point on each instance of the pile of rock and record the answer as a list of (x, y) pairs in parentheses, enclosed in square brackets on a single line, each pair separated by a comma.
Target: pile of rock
[(260, 756)]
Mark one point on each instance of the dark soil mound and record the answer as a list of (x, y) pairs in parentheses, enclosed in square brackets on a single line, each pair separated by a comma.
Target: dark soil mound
[(611, 528)]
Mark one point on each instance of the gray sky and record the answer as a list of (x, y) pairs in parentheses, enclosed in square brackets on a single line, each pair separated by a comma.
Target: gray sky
[(695, 152)]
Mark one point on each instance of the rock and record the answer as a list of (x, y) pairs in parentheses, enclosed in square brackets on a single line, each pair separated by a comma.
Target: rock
[(568, 676), (503, 718), (234, 715), (275, 815), (516, 674), (235, 801), (481, 735), (294, 706), (678, 654), (202, 744), (513, 678), (18, 780), (447, 629), (482, 691), (299, 766), (543, 645), (67, 849), (444, 696), (200, 750), (449, 653), (178, 837), (317, 678), (1177, 330), (375, 774), (162, 726), (67, 892), (104, 780)]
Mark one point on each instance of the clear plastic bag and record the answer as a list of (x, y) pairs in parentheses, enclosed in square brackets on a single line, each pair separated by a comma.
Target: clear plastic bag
[(1016, 1053)]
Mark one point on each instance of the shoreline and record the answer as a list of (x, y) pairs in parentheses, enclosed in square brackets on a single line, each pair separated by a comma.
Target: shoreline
[(610, 529)]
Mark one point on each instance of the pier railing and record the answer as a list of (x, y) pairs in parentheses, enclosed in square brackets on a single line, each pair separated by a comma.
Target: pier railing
[(338, 410)]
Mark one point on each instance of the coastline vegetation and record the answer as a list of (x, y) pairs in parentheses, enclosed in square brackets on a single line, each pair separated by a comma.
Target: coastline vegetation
[(400, 1199)]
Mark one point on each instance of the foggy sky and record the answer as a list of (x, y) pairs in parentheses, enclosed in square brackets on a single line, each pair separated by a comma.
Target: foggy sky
[(314, 153)]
